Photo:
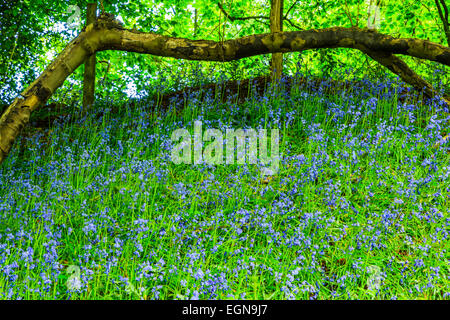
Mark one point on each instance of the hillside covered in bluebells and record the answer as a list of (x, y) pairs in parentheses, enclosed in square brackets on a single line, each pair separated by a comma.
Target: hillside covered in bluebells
[(93, 204)]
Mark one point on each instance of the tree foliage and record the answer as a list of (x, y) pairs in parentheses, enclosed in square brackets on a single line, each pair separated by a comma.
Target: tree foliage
[(34, 31)]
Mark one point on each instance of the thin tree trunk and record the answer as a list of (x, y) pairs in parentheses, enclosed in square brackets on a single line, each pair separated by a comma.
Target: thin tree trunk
[(108, 34), (444, 15), (276, 26), (195, 22), (89, 65)]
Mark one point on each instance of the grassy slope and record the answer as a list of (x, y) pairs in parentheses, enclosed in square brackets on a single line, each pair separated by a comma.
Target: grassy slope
[(359, 208)]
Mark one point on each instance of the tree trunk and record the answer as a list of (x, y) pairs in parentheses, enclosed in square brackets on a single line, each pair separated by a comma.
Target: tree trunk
[(89, 65), (276, 25), (444, 15), (108, 34), (195, 22)]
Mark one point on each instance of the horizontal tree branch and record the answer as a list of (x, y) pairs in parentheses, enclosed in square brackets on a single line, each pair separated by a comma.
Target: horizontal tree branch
[(116, 38), (108, 34)]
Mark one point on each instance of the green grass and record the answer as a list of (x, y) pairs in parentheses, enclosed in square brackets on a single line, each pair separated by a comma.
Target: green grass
[(351, 194)]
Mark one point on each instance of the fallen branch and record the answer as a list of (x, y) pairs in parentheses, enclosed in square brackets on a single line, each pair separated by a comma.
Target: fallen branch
[(400, 68)]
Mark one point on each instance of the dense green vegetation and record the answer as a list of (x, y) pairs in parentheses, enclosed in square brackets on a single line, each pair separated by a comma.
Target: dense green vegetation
[(359, 209), (93, 207), (33, 32)]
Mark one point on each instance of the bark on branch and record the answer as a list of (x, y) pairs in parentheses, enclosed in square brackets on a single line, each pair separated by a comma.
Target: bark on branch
[(108, 34), (117, 38)]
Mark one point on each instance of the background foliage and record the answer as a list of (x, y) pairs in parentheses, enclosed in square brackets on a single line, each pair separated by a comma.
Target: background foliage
[(34, 31)]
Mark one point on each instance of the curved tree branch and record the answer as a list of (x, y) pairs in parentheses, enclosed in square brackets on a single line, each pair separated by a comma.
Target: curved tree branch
[(116, 38), (289, 10), (108, 34)]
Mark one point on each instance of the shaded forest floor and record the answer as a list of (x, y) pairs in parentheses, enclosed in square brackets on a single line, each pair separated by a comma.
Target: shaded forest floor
[(239, 90)]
